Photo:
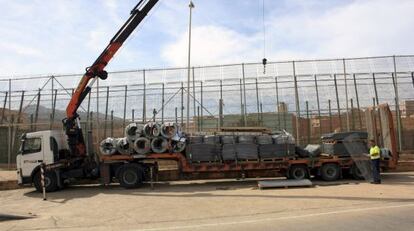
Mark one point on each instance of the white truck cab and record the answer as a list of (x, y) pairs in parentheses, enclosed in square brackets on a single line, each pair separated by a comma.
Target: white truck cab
[(37, 148)]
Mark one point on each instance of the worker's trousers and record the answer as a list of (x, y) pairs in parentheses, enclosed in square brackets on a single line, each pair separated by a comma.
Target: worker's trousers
[(376, 170)]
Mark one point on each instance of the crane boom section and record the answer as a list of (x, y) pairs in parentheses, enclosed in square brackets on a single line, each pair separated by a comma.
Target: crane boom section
[(71, 123), (97, 69)]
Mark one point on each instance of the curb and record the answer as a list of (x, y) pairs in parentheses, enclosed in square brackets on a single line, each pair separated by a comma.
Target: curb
[(8, 185)]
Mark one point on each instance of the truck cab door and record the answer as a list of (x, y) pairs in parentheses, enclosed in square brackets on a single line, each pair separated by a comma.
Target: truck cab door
[(31, 155)]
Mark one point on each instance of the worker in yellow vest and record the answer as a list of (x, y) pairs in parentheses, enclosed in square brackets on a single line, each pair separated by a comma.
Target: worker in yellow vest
[(374, 153)]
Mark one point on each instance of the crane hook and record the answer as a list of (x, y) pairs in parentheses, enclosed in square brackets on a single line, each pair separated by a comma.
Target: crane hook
[(264, 62)]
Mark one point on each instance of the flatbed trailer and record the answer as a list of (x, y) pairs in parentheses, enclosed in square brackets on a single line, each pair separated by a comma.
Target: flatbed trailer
[(327, 167)]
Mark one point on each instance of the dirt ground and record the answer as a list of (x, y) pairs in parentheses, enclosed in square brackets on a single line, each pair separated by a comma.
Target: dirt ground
[(218, 205)]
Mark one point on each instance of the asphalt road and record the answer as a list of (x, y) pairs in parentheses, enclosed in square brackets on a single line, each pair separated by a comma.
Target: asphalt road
[(393, 216), (217, 205)]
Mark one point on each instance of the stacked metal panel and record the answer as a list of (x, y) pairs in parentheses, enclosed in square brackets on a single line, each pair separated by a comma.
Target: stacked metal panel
[(269, 151), (240, 152), (203, 152), (345, 143)]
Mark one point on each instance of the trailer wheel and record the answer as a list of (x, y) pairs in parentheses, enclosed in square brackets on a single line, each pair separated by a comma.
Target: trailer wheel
[(51, 183), (330, 172), (298, 172), (356, 173), (130, 176)]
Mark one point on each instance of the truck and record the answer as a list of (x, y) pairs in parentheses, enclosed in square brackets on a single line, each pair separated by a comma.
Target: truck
[(63, 155)]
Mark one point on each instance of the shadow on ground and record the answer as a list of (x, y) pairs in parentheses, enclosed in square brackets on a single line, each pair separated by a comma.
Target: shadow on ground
[(205, 189)]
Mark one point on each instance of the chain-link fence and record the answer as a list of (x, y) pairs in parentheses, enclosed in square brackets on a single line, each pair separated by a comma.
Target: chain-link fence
[(307, 98)]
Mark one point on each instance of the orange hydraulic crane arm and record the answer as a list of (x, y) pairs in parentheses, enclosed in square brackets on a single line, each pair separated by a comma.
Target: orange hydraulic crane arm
[(71, 123)]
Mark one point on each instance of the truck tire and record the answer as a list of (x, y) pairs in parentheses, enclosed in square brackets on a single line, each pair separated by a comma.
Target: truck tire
[(356, 173), (298, 172), (51, 183), (130, 176), (330, 172)]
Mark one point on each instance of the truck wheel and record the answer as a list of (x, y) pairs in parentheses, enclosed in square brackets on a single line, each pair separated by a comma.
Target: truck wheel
[(330, 172), (130, 176), (51, 183), (356, 173), (298, 172)]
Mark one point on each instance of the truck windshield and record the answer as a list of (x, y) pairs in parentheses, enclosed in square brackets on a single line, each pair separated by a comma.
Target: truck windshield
[(31, 145)]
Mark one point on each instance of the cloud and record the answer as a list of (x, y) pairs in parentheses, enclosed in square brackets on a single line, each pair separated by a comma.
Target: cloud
[(361, 28), (352, 29), (19, 49), (211, 45), (63, 36)]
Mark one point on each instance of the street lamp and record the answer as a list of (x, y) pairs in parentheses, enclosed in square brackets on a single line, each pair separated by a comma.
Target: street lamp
[(191, 6)]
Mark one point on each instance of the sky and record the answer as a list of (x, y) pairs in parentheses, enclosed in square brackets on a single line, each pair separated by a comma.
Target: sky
[(65, 36)]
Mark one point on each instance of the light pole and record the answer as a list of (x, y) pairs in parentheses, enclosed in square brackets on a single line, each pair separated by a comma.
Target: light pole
[(191, 6)]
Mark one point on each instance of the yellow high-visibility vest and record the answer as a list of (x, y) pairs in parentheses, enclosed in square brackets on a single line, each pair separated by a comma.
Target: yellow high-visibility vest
[(374, 152)]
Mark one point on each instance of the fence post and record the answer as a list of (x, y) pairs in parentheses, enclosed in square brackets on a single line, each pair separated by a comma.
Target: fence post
[(308, 122), (220, 123), (330, 115), (4, 108), (296, 102), (182, 104), (10, 93), (346, 95), (318, 105), (112, 123), (397, 100), (221, 105), (257, 102), (412, 78), (198, 118), (52, 88), (19, 115), (337, 103), (125, 106), (277, 103), (357, 101), (54, 109), (202, 107), (241, 104), (144, 99), (244, 95), (194, 94), (97, 127), (352, 114), (261, 115), (37, 110), (375, 88), (9, 150), (106, 111), (163, 102)]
